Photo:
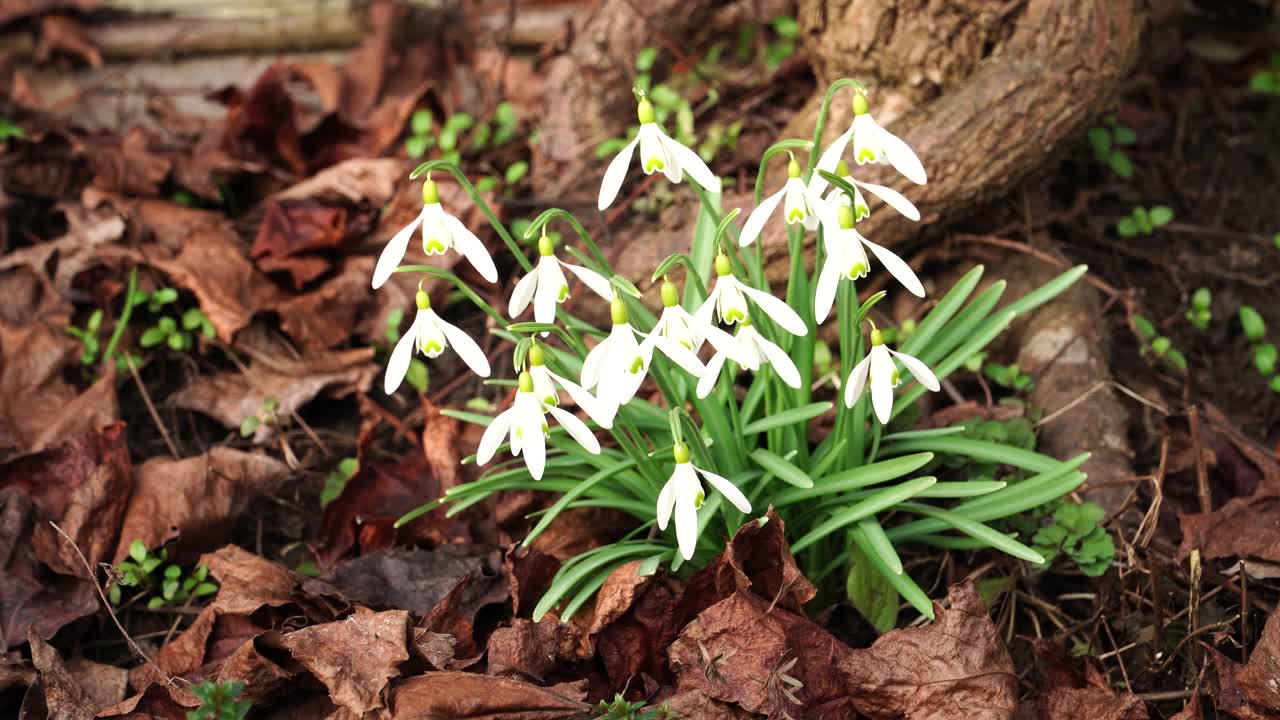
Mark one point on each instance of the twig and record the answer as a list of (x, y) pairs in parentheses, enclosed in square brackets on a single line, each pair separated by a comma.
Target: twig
[(1096, 387), (1202, 473), (107, 604), (151, 408)]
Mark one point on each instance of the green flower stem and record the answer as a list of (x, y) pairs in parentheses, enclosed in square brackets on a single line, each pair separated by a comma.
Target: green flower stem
[(823, 111), (554, 213), (125, 314), (462, 287), (783, 146), (470, 189)]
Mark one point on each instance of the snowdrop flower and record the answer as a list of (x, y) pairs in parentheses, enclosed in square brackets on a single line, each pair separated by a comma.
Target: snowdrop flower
[(430, 334), (546, 286), (680, 326), (618, 364), (683, 494), (441, 232), (871, 144), (878, 370), (544, 387), (759, 351), (525, 425), (658, 152), (799, 206), (861, 210), (847, 257), (728, 302)]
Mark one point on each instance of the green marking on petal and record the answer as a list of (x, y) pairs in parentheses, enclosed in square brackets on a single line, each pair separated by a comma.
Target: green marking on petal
[(434, 246), (858, 270), (896, 377), (636, 365), (734, 315), (796, 215), (866, 155), (861, 210), (563, 294), (654, 163), (549, 400), (431, 346), (699, 499)]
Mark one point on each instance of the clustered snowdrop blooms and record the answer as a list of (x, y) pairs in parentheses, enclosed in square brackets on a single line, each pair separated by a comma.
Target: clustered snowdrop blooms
[(441, 232), (546, 285), (746, 443), (683, 494), (658, 152)]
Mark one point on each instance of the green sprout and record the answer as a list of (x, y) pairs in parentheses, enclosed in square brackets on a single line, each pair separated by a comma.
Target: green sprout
[(461, 132), (266, 416), (1200, 314), (1267, 80), (1075, 532), (218, 701), (336, 481), (621, 709), (1159, 345), (1107, 142), (1143, 221), (1009, 376), (9, 130), (778, 51), (88, 337), (1255, 328), (176, 331), (170, 586)]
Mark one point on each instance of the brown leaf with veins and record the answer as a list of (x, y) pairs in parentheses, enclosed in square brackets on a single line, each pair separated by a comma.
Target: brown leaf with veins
[(758, 558), (408, 579), (232, 396), (248, 582), (194, 500), (534, 650), (341, 308), (355, 657), (31, 596), (262, 676), (1096, 701), (181, 656), (1259, 679), (529, 573), (82, 485), (294, 234), (466, 696), (63, 696), (955, 667)]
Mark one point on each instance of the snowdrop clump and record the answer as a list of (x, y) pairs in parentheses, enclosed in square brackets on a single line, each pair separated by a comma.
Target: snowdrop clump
[(750, 441)]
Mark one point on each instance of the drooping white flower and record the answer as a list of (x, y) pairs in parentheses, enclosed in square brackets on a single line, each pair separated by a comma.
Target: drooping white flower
[(680, 326), (546, 286), (430, 334), (871, 144), (545, 383), (683, 494), (618, 364), (727, 302), (878, 370), (861, 210), (847, 257), (799, 205), (441, 232), (759, 351), (524, 425), (658, 152)]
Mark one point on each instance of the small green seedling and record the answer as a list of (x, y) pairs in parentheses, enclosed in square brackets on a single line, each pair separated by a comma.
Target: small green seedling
[(88, 337), (219, 701), (461, 132), (266, 416), (1255, 328), (176, 331), (1143, 221), (417, 376), (1107, 142), (1267, 80), (9, 130), (621, 709), (336, 481), (1264, 359), (778, 51), (1200, 313), (169, 586), (1009, 376), (1159, 345), (1075, 533), (1264, 353)]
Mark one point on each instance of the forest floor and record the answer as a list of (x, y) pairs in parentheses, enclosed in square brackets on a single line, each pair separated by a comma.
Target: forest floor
[(191, 368)]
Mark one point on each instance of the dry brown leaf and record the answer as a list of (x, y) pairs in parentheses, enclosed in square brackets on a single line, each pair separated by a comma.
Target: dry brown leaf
[(181, 656), (195, 499), (294, 234), (413, 580), (1259, 680), (262, 676), (105, 684), (354, 658), (436, 648), (31, 596), (955, 667), (360, 180), (464, 696), (37, 406), (82, 485), (341, 308), (758, 558), (248, 582), (62, 34), (63, 696), (534, 650), (158, 702), (529, 574), (456, 614), (127, 165), (230, 397), (1096, 701)]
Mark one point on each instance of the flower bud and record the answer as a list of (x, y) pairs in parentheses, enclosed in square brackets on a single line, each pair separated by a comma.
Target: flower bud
[(877, 337), (793, 168), (536, 355), (545, 246), (644, 111), (722, 265), (526, 382), (860, 105), (430, 192), (423, 300), (681, 453), (670, 295), (845, 215), (618, 310)]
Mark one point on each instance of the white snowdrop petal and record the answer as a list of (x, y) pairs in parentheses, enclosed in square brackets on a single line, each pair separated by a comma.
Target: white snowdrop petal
[(615, 174), (707, 380), (857, 382), (758, 217), (598, 283), (918, 370), (585, 400), (551, 282), (901, 156), (727, 489), (692, 164), (493, 436), (781, 362), (892, 198), (462, 344), (595, 359), (471, 248), (687, 517), (577, 429), (401, 356), (728, 346), (897, 267), (828, 161), (828, 283), (679, 354), (523, 293), (881, 377), (394, 252), (666, 503), (534, 445), (778, 310)]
